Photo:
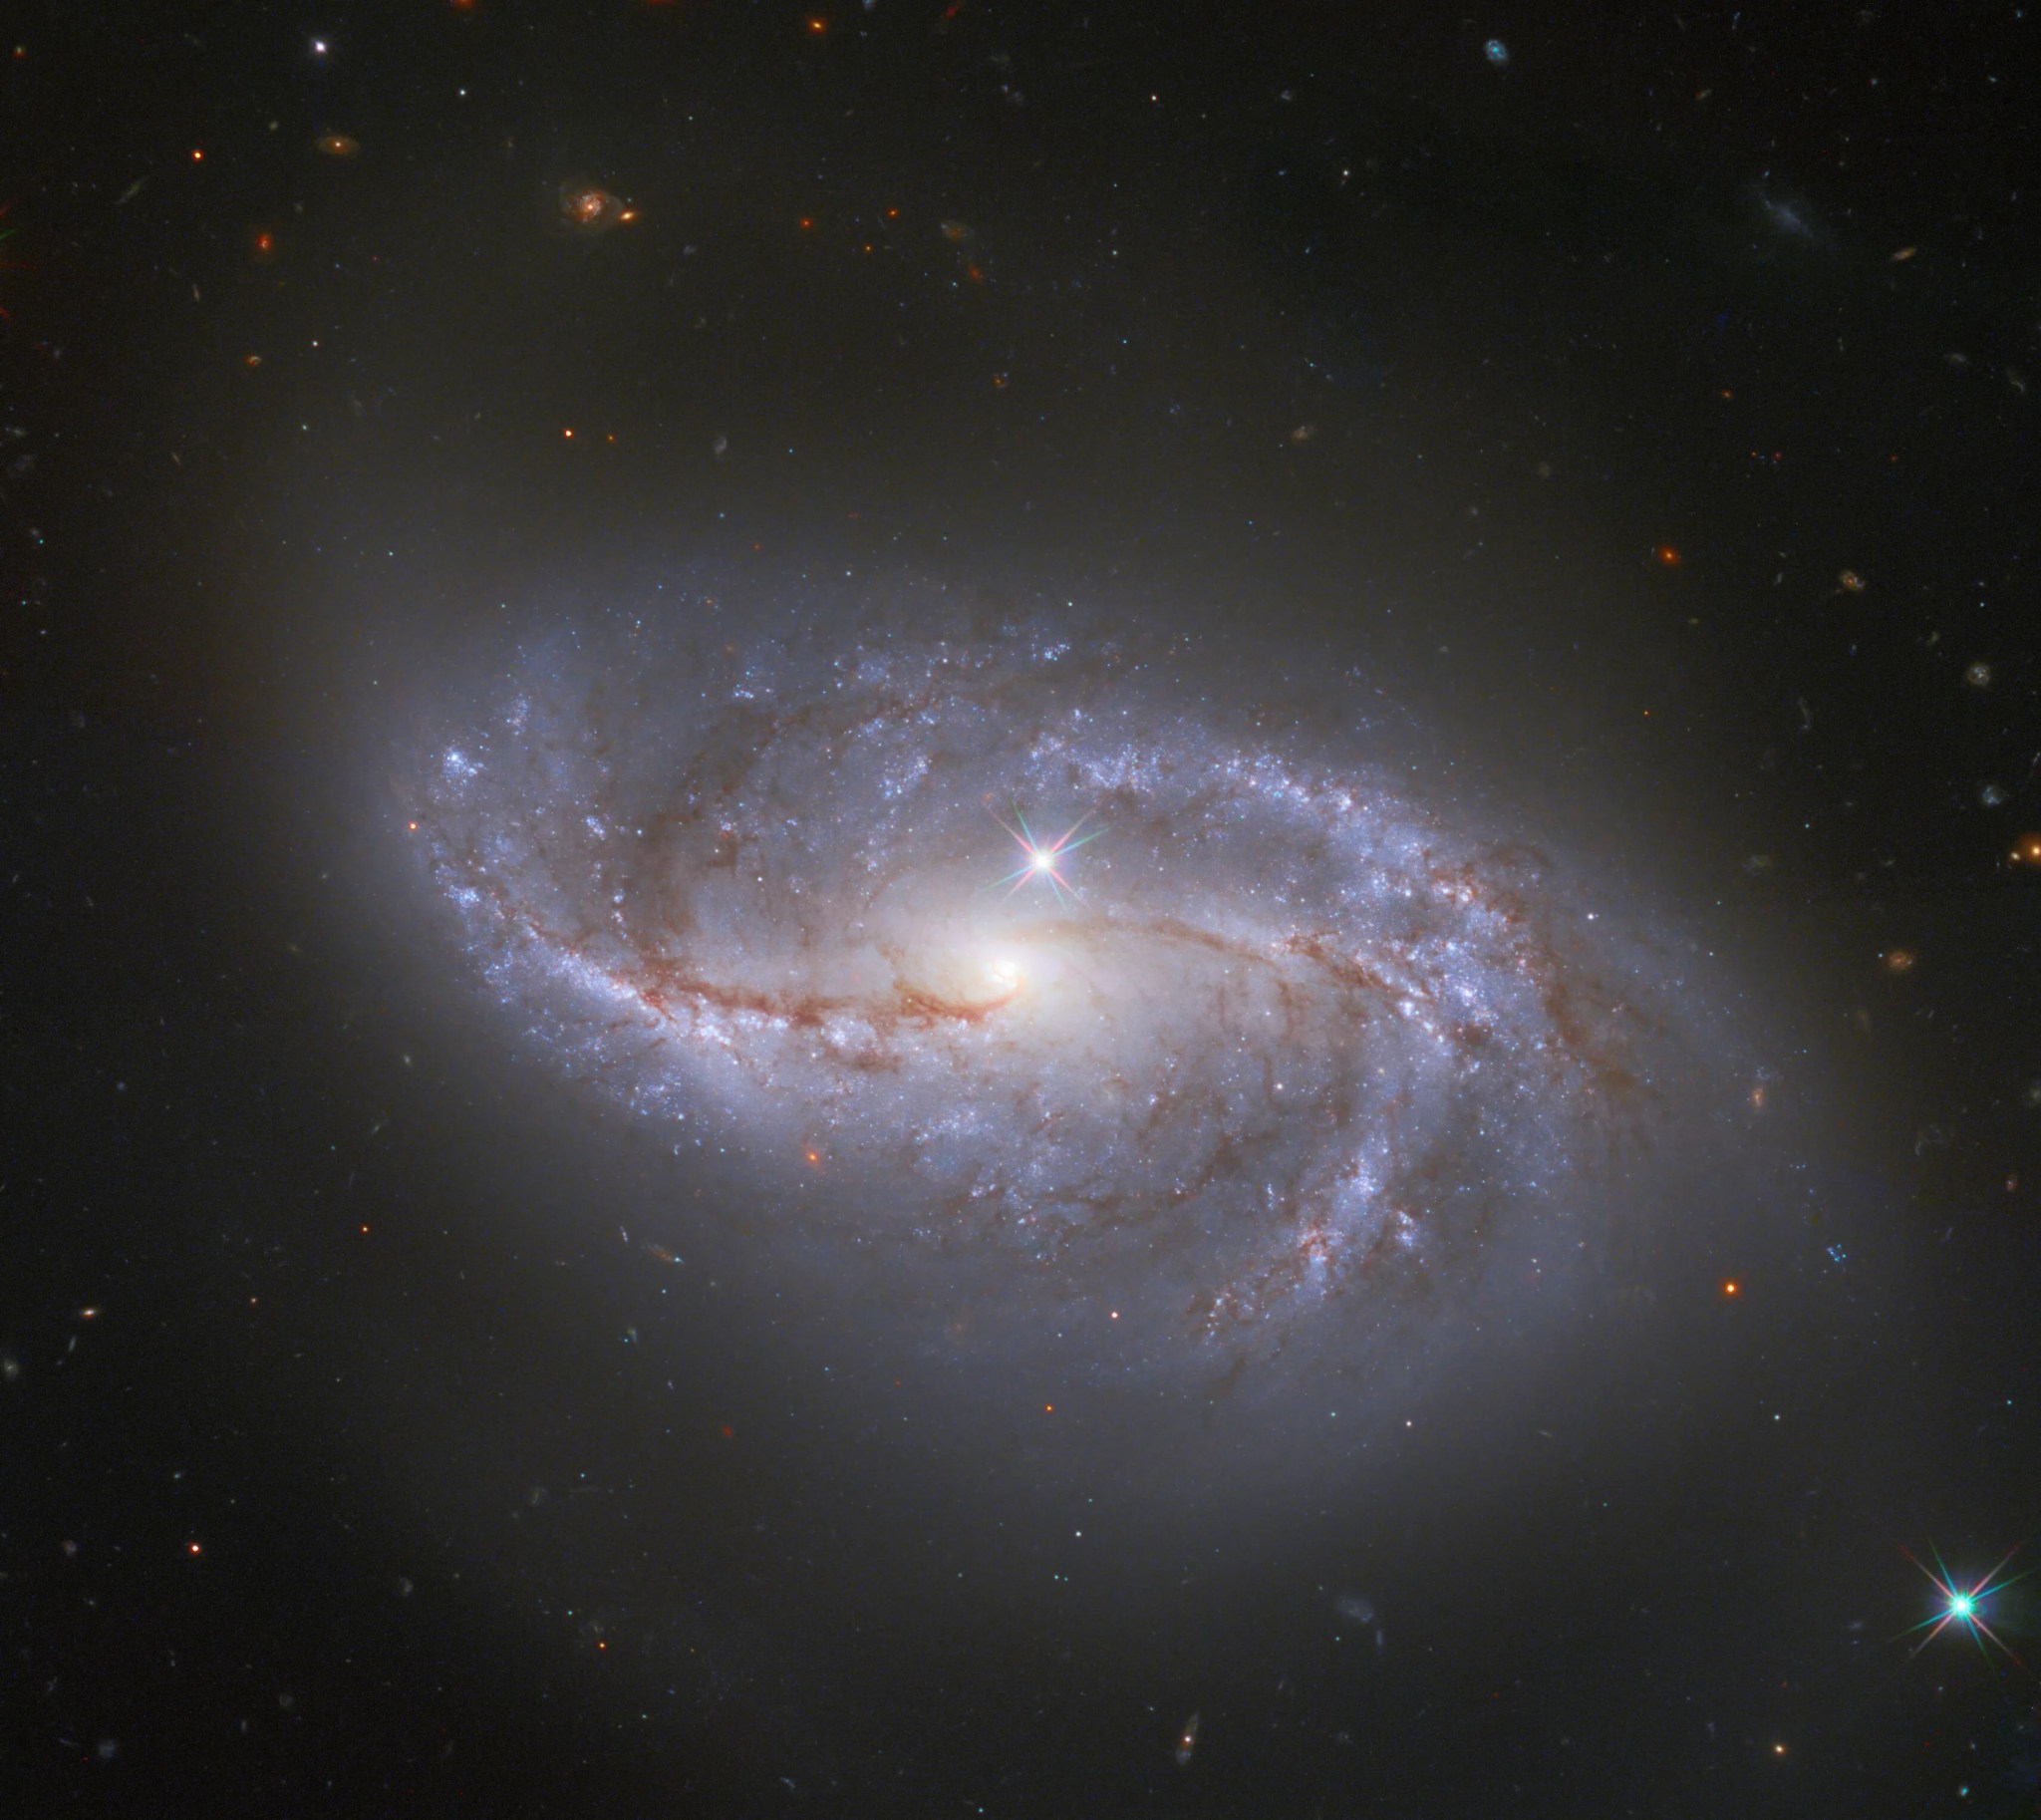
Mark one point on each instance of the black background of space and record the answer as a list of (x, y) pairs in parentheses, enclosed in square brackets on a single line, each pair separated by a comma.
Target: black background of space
[(383, 1476)]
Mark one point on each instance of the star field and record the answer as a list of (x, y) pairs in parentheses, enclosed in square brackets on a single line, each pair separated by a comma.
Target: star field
[(948, 908)]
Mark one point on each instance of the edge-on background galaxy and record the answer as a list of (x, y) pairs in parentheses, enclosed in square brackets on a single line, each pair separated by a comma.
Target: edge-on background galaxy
[(1262, 1060)]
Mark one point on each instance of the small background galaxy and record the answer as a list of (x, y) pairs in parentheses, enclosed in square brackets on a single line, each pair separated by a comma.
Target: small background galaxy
[(941, 909)]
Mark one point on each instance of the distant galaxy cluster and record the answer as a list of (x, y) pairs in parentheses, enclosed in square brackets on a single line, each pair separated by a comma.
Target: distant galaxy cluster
[(1270, 1044)]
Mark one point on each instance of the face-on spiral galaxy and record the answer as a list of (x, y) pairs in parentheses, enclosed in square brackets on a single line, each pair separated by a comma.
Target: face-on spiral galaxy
[(1097, 972)]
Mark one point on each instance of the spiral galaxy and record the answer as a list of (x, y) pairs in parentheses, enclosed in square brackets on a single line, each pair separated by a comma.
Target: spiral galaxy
[(1271, 1045)]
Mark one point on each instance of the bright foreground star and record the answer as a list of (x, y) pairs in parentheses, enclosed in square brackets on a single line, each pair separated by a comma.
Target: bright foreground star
[(1045, 857), (1962, 1605)]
